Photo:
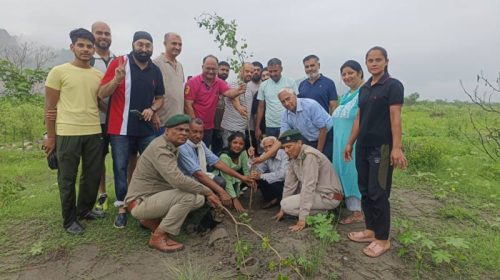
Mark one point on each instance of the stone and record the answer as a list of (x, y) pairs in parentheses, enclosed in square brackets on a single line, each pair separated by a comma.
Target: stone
[(217, 234)]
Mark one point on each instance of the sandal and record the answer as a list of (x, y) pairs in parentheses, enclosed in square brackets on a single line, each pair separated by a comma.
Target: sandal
[(352, 219), (360, 237), (374, 250)]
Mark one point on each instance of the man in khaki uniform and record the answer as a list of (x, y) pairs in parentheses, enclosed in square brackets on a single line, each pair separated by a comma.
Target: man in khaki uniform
[(173, 78), (160, 195), (311, 184)]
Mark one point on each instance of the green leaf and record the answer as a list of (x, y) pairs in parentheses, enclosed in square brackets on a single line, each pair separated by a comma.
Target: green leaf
[(37, 248), (456, 242), (429, 244), (440, 256)]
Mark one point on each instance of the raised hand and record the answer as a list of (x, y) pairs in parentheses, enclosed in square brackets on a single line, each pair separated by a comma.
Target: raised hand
[(120, 70), (242, 88)]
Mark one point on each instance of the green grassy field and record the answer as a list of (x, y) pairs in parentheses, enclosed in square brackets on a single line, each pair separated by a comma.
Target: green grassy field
[(443, 163)]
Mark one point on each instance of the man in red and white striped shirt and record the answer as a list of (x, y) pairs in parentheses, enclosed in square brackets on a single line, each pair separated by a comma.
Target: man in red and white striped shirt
[(136, 88)]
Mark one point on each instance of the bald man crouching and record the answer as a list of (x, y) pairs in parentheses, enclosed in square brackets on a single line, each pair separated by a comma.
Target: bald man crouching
[(160, 195)]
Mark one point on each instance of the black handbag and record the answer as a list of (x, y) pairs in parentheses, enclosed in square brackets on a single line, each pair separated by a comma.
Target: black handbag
[(52, 161)]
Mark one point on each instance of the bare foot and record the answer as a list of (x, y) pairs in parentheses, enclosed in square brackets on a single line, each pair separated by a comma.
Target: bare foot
[(362, 236), (377, 248)]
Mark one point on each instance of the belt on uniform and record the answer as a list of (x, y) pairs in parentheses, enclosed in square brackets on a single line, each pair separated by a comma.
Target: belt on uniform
[(334, 196)]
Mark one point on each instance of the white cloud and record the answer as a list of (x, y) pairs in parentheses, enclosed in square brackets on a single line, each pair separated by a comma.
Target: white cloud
[(431, 44)]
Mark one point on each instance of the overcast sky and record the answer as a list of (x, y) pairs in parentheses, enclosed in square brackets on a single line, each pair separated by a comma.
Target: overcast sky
[(431, 44)]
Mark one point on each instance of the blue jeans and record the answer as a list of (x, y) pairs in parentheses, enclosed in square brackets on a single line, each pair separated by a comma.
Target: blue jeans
[(122, 146)]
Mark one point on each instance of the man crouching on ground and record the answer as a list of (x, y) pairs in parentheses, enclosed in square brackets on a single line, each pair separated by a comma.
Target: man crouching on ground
[(160, 195), (311, 184)]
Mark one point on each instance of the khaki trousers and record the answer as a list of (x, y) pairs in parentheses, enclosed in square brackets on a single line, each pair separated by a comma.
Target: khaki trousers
[(172, 206), (291, 205)]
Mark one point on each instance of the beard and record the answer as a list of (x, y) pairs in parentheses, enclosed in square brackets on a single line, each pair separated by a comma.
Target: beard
[(103, 45), (223, 76), (142, 56), (256, 78), (313, 76)]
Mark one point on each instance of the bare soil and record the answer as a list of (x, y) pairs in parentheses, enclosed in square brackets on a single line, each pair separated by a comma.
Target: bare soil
[(345, 259)]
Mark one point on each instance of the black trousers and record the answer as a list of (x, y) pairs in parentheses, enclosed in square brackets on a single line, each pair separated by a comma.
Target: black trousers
[(271, 191), (375, 180), (70, 150)]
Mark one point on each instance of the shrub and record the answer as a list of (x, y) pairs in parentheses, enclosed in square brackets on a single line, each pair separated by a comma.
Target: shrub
[(423, 153)]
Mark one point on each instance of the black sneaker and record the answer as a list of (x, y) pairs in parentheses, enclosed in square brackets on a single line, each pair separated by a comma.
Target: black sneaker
[(75, 228), (93, 215), (121, 220)]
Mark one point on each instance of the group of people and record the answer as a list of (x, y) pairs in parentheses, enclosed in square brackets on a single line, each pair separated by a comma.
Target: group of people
[(179, 145)]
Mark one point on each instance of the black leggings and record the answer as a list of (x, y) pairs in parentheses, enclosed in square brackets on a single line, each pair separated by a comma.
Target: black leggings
[(375, 180)]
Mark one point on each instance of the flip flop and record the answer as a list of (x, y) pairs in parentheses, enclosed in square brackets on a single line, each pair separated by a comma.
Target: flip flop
[(374, 250), (360, 237), (351, 219)]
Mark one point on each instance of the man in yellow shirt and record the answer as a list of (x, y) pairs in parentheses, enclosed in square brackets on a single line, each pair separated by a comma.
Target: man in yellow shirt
[(75, 134)]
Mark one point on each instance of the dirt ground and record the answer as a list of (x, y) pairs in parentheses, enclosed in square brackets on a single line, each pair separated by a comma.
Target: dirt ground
[(344, 259)]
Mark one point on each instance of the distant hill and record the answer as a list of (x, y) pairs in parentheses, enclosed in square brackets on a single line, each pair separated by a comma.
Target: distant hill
[(9, 41)]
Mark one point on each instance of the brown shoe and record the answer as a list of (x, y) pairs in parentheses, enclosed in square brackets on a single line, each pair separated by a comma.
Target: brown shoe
[(161, 242), (150, 224)]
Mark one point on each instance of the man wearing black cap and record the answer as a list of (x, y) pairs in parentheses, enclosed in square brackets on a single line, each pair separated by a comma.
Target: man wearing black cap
[(311, 184), (136, 88), (160, 195)]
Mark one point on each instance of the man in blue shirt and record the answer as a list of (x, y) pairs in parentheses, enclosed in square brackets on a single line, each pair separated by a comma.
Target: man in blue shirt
[(307, 116), (317, 86), (194, 156), (270, 175)]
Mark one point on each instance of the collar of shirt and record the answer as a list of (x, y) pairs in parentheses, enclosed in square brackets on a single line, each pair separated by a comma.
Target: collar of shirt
[(381, 81), (298, 109), (111, 55), (170, 146), (317, 80), (172, 63)]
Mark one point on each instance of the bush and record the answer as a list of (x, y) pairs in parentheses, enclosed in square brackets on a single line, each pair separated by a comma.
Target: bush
[(21, 120), (423, 153)]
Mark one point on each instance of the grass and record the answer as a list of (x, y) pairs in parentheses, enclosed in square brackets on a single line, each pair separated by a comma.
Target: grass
[(464, 180), (456, 173), (31, 222)]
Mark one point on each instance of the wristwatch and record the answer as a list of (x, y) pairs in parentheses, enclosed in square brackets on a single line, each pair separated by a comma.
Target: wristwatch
[(153, 109)]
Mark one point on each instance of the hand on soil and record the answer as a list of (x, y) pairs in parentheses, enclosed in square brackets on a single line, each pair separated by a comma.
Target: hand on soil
[(279, 215), (300, 225)]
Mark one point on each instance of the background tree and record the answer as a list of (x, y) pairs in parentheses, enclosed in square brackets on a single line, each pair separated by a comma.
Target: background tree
[(412, 98), (486, 125)]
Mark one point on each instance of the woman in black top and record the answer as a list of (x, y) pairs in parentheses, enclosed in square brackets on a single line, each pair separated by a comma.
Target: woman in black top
[(377, 132)]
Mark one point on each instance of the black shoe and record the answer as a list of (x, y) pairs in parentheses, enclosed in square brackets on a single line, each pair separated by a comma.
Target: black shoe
[(121, 220), (75, 228), (290, 217), (93, 215)]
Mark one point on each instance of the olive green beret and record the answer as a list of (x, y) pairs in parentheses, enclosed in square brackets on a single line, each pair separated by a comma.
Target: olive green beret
[(176, 120), (291, 135)]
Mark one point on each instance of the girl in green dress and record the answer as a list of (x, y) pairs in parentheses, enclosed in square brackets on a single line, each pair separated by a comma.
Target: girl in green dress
[(236, 158)]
